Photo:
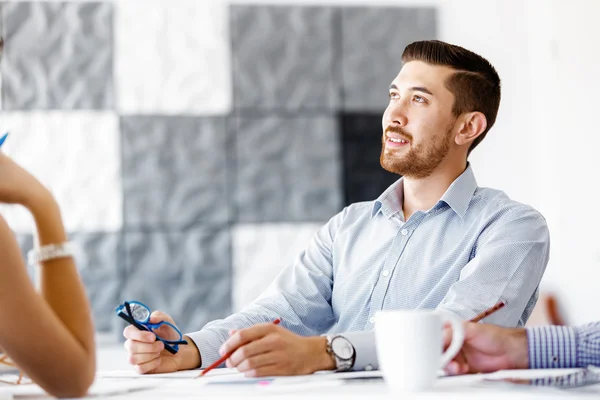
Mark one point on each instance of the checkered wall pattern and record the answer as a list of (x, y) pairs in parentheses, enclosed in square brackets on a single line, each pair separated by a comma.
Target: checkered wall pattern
[(195, 148)]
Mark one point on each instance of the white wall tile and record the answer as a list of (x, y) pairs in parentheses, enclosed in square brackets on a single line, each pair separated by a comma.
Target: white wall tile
[(172, 57), (260, 252), (77, 156)]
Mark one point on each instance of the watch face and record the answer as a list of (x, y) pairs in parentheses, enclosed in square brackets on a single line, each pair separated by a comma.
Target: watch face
[(342, 348)]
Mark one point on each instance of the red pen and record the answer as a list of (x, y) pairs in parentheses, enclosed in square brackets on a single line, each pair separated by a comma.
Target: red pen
[(224, 358)]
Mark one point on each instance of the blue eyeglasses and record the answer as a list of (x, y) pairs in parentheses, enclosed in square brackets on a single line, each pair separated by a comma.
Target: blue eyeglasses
[(138, 315)]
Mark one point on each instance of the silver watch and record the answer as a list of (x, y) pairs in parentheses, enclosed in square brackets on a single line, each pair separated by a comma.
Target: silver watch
[(342, 352)]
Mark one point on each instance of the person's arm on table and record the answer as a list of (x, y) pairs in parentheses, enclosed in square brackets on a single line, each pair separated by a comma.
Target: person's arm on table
[(50, 334), (489, 348), (300, 297), (563, 346)]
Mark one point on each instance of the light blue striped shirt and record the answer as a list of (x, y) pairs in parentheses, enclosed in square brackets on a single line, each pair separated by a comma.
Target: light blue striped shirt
[(473, 248), (564, 346)]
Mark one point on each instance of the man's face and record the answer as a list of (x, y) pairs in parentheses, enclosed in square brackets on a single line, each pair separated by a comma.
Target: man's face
[(418, 123)]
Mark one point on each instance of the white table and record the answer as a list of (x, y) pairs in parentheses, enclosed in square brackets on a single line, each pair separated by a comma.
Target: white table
[(184, 386)]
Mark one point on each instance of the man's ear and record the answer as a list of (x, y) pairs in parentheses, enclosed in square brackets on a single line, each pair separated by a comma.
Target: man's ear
[(472, 125)]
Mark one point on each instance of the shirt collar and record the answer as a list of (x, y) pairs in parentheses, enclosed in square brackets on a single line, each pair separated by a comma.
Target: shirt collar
[(390, 201), (457, 196)]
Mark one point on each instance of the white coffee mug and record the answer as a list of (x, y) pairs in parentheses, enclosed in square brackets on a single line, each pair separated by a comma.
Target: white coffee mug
[(409, 346)]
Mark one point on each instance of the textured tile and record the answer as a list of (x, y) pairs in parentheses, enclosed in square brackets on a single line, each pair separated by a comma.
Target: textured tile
[(77, 156), (172, 57), (373, 39), (186, 274), (287, 168), (260, 252), (283, 57), (174, 171), (100, 261), (364, 177), (58, 56)]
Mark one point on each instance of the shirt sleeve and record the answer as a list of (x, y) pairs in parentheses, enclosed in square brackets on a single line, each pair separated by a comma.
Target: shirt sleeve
[(564, 347), (300, 296), (508, 263)]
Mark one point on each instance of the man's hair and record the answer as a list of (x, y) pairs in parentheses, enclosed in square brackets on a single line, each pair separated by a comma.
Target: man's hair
[(475, 85)]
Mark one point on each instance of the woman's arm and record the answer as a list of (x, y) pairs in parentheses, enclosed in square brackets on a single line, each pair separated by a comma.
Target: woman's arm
[(50, 334)]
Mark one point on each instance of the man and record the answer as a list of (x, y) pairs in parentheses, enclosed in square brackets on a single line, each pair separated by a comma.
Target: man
[(434, 239), (488, 348)]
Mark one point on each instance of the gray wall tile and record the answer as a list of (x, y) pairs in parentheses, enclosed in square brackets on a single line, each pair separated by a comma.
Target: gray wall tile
[(58, 56), (101, 262), (283, 57), (186, 274), (287, 168), (174, 171), (373, 39), (25, 242)]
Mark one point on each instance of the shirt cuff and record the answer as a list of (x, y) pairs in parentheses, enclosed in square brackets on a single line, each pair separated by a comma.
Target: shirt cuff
[(552, 347), (208, 343), (364, 346)]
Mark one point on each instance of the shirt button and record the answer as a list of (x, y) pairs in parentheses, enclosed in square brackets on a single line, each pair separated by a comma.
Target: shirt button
[(368, 367), (372, 320), (386, 272), (404, 232)]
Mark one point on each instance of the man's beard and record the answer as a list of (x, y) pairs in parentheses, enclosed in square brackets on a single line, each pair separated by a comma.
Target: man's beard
[(421, 160)]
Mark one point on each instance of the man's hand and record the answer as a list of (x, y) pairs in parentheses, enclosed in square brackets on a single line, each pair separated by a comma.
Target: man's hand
[(488, 348), (149, 356), (271, 350)]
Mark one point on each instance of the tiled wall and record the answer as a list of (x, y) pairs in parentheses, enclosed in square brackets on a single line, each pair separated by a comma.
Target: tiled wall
[(195, 148)]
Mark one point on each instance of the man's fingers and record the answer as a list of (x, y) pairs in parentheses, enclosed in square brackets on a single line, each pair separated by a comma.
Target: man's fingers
[(458, 366), (244, 336), (268, 370), (133, 333), (259, 361), (137, 359), (135, 347), (249, 350), (447, 336), (452, 368), (148, 367), (158, 316)]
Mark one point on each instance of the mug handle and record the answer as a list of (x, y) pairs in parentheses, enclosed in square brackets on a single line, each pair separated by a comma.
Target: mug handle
[(458, 337)]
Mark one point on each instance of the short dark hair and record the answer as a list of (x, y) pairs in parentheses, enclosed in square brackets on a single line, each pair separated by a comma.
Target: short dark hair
[(475, 85)]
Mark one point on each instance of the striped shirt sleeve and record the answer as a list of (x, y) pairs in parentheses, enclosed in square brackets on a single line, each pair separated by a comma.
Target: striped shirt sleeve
[(564, 347)]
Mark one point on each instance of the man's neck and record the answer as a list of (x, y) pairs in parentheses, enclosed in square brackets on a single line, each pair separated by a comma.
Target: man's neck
[(422, 194)]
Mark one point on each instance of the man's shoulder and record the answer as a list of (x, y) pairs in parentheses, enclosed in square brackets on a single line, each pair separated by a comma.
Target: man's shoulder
[(356, 211), (496, 204)]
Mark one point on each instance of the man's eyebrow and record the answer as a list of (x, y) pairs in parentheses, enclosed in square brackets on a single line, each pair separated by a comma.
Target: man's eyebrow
[(414, 89), (421, 89)]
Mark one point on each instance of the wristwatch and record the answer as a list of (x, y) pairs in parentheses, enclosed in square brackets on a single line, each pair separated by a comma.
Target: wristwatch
[(342, 352)]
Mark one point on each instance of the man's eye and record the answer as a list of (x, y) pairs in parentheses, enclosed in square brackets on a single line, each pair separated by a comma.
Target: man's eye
[(394, 96), (419, 99)]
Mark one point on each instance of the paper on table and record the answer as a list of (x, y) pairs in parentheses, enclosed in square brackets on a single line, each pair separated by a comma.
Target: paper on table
[(192, 373), (233, 378)]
